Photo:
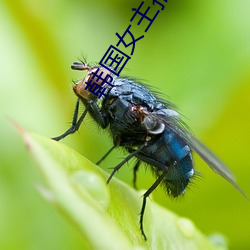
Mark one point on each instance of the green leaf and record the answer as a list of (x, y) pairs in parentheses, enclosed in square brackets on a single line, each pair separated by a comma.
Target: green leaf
[(107, 215)]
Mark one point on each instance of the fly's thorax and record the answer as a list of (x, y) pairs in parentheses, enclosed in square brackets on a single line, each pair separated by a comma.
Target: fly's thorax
[(152, 125)]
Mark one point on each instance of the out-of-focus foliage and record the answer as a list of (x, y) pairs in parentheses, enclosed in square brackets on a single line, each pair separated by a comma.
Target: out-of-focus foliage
[(196, 52), (102, 213)]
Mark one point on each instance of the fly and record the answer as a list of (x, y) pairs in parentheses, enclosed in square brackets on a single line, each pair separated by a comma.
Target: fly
[(149, 128)]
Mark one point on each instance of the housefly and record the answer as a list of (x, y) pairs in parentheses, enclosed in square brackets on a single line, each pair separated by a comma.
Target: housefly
[(148, 127)]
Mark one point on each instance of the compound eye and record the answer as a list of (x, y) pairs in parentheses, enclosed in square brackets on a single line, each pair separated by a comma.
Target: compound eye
[(153, 126)]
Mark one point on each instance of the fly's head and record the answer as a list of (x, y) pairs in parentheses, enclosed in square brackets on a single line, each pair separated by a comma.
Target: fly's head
[(81, 88)]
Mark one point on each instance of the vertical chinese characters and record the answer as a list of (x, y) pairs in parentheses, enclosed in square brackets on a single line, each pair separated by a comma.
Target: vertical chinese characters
[(115, 59)]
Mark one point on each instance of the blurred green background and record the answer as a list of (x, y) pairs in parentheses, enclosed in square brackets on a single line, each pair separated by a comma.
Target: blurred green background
[(196, 52)]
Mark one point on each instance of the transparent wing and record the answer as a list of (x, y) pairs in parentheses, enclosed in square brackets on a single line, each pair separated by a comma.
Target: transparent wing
[(175, 124), (208, 156)]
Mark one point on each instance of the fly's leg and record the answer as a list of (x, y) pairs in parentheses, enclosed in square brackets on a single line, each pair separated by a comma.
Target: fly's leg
[(75, 124), (95, 112), (105, 155), (145, 196), (125, 160), (135, 169)]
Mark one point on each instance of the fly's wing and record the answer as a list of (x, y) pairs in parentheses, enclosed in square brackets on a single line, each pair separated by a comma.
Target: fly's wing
[(175, 124), (212, 160)]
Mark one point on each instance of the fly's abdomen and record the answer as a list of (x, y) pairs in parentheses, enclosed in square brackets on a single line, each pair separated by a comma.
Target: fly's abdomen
[(178, 176), (180, 166), (170, 155)]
